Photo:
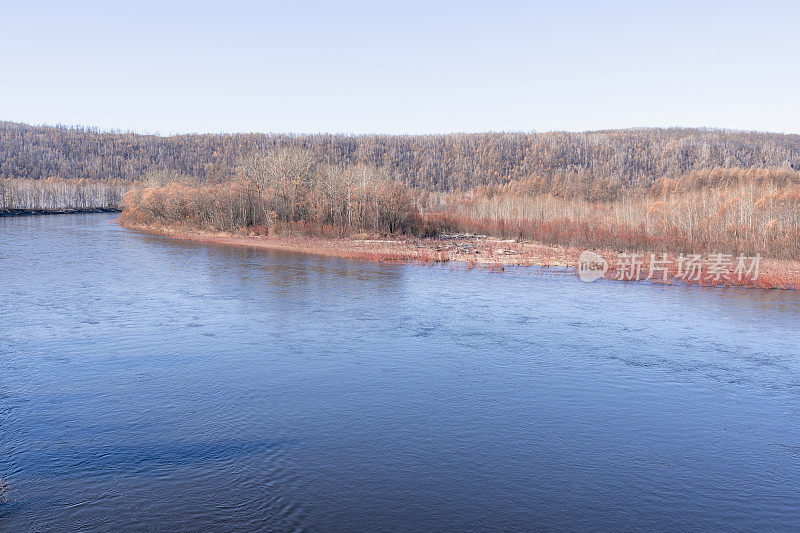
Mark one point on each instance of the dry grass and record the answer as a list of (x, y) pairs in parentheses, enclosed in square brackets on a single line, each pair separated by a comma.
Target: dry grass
[(737, 210)]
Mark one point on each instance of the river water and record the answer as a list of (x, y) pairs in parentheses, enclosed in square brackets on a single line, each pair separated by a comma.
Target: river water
[(152, 384)]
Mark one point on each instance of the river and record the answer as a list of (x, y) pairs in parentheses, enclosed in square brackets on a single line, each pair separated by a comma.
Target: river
[(154, 384)]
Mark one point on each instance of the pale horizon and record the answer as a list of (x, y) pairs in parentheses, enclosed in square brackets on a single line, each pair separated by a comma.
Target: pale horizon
[(368, 133)]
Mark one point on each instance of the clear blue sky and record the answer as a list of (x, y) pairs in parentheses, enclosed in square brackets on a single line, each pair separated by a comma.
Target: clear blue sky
[(400, 67)]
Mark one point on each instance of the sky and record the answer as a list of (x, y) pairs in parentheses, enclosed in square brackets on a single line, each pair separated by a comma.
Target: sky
[(402, 67)]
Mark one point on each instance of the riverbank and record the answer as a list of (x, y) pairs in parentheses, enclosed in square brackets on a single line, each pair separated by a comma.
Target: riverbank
[(29, 212), (481, 252), (472, 250)]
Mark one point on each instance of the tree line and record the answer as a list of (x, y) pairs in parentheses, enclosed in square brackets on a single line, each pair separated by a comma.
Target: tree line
[(676, 190), (286, 190), (603, 160), (59, 195), (730, 210)]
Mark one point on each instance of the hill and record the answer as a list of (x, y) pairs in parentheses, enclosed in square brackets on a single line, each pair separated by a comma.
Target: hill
[(622, 158)]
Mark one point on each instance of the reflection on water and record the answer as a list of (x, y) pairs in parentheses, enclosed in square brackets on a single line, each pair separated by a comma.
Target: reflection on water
[(151, 383)]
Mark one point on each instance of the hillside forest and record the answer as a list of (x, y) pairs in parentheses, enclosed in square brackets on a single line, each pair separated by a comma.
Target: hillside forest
[(676, 190)]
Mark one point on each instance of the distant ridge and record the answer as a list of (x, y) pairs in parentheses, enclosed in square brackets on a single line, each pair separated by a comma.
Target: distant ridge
[(438, 162)]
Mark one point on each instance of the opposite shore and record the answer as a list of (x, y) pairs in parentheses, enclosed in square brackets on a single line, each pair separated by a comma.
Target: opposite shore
[(465, 250), (28, 212), (472, 250)]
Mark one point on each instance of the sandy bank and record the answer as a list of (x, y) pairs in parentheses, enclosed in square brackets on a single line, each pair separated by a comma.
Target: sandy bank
[(469, 251)]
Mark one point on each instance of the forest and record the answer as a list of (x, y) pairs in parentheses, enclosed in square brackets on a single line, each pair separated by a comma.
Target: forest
[(55, 195), (718, 210), (732, 210), (619, 158), (287, 189), (675, 190)]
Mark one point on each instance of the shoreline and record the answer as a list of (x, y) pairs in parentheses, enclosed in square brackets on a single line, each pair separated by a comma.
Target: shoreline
[(467, 251), (473, 251), (39, 212)]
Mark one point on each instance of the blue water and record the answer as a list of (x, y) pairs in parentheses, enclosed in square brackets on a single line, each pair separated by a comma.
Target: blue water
[(151, 384)]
